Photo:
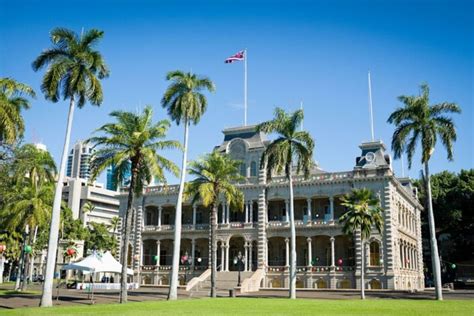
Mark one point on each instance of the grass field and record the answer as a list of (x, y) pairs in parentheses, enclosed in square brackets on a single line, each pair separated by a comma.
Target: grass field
[(263, 306), (13, 292)]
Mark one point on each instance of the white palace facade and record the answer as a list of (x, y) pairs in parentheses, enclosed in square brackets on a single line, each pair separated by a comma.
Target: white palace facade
[(326, 257)]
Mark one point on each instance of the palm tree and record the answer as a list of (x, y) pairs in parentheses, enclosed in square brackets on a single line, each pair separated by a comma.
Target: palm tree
[(291, 147), (186, 104), (12, 100), (133, 140), (35, 165), (418, 121), (364, 212), (114, 223), (87, 208), (215, 177), (74, 72), (27, 205)]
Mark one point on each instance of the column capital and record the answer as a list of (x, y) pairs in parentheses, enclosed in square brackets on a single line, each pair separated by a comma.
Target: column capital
[(158, 242), (287, 240), (309, 239), (309, 200), (332, 239)]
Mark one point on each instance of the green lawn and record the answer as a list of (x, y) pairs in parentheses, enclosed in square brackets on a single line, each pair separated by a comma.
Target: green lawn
[(13, 292), (263, 306)]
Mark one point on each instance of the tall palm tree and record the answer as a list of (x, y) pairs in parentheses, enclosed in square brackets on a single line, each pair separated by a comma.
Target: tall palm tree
[(418, 121), (215, 177), (364, 212), (292, 147), (35, 165), (186, 103), (13, 99), (74, 72), (133, 139)]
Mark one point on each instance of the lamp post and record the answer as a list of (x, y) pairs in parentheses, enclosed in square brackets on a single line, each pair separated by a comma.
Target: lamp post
[(238, 260)]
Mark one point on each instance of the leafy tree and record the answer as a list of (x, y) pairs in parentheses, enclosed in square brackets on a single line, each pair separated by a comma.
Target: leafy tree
[(186, 104), (133, 138), (72, 229), (453, 195), (418, 121), (74, 70), (100, 238), (215, 177), (364, 212), (13, 99), (291, 151)]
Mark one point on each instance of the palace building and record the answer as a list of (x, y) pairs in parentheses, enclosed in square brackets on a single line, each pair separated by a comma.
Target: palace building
[(326, 257)]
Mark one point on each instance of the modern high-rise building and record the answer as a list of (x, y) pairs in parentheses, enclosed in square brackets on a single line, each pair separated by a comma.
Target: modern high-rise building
[(78, 162), (111, 183)]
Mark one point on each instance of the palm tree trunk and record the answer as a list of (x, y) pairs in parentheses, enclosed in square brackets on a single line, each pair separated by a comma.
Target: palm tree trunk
[(292, 275), (47, 296), (126, 229), (213, 250), (362, 269), (173, 293), (434, 245)]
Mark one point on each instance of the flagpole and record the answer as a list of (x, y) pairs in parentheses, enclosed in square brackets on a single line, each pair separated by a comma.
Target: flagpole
[(370, 108), (245, 87)]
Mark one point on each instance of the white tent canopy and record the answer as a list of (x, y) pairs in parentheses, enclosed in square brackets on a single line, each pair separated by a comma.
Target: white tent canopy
[(97, 262)]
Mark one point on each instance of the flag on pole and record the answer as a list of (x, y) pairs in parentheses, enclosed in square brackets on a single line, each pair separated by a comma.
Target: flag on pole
[(236, 57)]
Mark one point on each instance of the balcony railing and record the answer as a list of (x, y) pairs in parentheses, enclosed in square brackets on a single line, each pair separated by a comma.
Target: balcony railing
[(302, 269)]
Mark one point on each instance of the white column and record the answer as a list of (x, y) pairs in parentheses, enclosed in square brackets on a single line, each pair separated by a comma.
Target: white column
[(246, 257), (228, 213), (246, 212), (331, 207), (310, 251), (194, 216), (250, 256), (287, 209), (222, 256), (287, 248), (227, 257), (193, 250), (308, 201), (333, 252), (251, 211), (158, 252), (159, 215)]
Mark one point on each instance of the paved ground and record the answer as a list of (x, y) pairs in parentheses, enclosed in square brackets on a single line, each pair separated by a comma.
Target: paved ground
[(74, 297)]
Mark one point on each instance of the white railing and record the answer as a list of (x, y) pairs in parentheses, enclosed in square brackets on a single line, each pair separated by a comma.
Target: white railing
[(252, 284), (316, 177), (195, 281)]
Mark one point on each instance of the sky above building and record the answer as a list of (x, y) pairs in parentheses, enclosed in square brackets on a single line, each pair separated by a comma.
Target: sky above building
[(317, 52)]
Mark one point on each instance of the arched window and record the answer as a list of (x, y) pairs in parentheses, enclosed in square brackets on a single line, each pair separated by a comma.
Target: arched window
[(253, 169), (243, 169), (374, 253)]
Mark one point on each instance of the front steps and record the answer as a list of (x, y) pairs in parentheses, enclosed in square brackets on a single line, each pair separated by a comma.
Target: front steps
[(224, 282)]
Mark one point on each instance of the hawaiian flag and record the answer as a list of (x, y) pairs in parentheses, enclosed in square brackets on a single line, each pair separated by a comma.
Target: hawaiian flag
[(239, 56)]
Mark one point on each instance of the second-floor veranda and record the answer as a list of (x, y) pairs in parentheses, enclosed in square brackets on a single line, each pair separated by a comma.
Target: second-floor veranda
[(310, 211)]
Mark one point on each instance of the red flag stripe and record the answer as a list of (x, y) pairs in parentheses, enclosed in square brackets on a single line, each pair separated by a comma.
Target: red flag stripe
[(237, 57)]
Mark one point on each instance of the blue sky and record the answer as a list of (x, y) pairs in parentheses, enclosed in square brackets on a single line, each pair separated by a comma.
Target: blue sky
[(315, 51)]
